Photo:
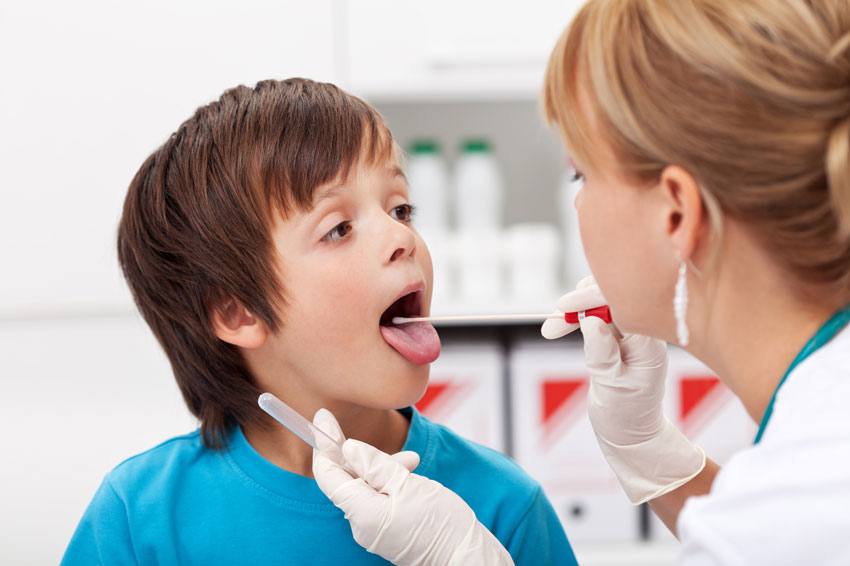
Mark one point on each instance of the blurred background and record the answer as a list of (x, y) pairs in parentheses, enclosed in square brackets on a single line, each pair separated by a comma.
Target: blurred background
[(90, 88)]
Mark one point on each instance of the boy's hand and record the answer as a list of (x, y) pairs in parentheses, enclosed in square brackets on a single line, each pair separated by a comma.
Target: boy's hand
[(403, 517)]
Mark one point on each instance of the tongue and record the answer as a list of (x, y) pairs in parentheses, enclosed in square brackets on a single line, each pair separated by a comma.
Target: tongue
[(418, 342)]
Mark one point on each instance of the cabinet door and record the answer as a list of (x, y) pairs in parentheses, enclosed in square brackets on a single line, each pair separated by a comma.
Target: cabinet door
[(89, 89), (465, 392), (554, 442), (406, 49)]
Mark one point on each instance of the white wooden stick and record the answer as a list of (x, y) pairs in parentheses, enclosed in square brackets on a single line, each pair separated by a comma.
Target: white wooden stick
[(478, 318)]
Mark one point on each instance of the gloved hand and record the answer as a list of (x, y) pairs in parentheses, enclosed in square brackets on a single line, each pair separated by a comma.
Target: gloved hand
[(403, 517), (648, 454)]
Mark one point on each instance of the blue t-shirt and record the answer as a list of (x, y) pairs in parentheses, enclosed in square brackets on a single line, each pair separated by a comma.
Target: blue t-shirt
[(182, 503)]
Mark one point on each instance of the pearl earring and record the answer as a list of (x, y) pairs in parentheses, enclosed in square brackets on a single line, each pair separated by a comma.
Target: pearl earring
[(680, 305)]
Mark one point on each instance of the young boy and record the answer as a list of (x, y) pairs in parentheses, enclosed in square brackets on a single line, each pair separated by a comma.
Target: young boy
[(267, 243)]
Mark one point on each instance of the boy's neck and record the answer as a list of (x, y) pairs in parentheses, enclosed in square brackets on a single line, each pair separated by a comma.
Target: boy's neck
[(385, 429)]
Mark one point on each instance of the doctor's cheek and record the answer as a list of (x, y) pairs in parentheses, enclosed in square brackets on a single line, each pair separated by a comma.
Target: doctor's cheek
[(590, 225)]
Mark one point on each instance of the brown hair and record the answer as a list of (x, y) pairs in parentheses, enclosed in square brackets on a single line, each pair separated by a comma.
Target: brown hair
[(751, 96), (196, 225)]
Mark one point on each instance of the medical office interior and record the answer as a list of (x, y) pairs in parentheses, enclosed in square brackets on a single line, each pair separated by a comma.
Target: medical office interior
[(91, 87)]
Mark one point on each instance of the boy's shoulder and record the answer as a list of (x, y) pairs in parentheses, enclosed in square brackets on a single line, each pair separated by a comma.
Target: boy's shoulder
[(161, 463)]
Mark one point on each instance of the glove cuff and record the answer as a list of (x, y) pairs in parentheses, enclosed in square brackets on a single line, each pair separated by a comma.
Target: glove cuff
[(656, 466)]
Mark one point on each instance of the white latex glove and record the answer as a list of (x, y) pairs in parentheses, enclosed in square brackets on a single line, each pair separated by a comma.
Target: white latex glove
[(648, 454), (403, 517)]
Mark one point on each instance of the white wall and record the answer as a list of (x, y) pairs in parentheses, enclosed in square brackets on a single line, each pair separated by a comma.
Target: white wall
[(87, 90), (77, 397)]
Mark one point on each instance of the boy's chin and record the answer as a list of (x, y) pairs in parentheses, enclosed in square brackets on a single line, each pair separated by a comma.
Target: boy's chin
[(404, 389)]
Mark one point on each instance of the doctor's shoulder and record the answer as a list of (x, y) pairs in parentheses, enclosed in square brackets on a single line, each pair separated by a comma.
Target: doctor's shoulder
[(785, 500)]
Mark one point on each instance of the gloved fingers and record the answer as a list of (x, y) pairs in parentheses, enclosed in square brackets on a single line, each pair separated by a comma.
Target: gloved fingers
[(327, 423), (364, 507), (601, 348), (643, 351), (582, 299), (378, 469), (557, 327), (329, 474), (588, 281), (407, 458)]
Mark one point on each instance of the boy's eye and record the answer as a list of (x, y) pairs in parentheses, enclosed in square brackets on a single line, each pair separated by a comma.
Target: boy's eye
[(338, 232), (403, 213)]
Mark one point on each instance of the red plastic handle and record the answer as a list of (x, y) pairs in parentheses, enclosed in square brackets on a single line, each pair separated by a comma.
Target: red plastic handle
[(599, 312)]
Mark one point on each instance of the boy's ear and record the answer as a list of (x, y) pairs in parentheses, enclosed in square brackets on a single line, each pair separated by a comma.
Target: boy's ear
[(236, 325), (685, 214)]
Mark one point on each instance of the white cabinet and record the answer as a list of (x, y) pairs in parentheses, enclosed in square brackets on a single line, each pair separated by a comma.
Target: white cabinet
[(89, 89), (555, 444), (465, 392), (401, 49)]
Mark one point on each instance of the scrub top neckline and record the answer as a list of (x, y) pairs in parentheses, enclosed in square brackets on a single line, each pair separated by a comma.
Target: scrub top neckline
[(824, 334)]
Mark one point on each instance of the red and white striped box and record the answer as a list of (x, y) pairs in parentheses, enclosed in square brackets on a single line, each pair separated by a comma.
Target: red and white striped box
[(465, 392), (705, 409), (554, 443)]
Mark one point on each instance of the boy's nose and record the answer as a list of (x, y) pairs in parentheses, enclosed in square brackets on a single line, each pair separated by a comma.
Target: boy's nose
[(402, 244), (397, 254)]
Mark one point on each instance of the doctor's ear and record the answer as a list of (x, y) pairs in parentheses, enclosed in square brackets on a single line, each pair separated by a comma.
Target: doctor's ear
[(685, 214), (236, 325)]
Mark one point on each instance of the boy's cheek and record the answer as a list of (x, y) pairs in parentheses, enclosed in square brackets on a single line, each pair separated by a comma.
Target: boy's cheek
[(427, 266), (328, 288)]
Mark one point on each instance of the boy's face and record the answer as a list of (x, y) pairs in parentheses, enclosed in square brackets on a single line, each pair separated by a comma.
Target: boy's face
[(345, 262)]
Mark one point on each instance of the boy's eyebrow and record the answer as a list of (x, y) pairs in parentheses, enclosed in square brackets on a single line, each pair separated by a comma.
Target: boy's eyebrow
[(396, 171), (334, 190), (326, 193)]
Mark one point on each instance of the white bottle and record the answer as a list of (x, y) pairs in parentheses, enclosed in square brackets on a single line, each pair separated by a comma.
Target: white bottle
[(429, 184), (478, 197), (478, 188), (575, 263), (428, 178), (480, 270), (534, 249)]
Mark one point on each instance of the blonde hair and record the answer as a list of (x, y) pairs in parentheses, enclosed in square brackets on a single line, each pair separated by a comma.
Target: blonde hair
[(751, 96)]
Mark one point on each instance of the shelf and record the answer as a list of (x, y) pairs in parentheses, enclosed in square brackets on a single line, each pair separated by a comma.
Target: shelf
[(621, 553), (524, 89)]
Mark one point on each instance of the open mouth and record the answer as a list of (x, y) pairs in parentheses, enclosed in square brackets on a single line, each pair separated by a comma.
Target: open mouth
[(417, 342), (410, 305)]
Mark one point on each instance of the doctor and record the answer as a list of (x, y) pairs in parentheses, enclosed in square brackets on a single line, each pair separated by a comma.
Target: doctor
[(713, 137)]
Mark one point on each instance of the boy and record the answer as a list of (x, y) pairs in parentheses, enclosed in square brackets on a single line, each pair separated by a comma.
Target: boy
[(267, 244)]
